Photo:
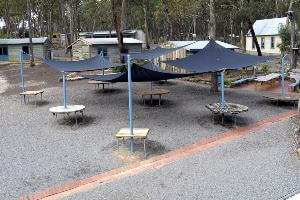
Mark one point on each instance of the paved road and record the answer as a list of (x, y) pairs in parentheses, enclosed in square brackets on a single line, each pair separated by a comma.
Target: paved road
[(256, 166)]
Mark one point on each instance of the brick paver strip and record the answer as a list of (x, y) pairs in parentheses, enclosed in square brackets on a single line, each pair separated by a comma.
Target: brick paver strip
[(155, 162)]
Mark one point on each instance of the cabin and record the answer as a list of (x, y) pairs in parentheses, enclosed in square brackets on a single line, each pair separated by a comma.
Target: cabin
[(85, 48), (189, 48), (267, 34), (10, 48), (135, 34)]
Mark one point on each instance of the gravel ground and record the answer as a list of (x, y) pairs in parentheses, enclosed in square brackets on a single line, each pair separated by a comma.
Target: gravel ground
[(259, 166), (38, 151)]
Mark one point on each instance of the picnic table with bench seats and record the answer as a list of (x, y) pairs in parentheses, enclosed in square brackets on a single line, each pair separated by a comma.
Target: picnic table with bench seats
[(269, 79), (32, 93), (229, 108), (296, 76), (69, 109), (151, 93), (138, 133), (98, 83)]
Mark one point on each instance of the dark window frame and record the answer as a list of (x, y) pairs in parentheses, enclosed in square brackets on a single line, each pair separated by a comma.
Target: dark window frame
[(262, 43), (104, 49), (272, 42), (3, 50), (25, 49)]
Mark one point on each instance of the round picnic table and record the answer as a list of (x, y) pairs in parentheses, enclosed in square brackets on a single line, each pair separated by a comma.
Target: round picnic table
[(292, 98), (229, 108), (69, 109), (151, 93)]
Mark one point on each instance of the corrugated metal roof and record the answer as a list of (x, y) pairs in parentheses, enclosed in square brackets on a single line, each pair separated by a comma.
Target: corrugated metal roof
[(200, 44), (40, 40), (268, 26), (94, 41)]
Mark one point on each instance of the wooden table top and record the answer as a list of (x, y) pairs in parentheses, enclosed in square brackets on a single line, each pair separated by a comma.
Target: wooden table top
[(153, 92), (268, 77), (228, 108), (36, 92), (137, 132), (69, 109)]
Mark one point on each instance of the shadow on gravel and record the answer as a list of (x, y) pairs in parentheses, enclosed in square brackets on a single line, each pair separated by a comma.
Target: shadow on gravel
[(274, 103), (164, 104), (108, 91), (160, 83), (39, 103), (82, 121), (153, 148), (208, 122)]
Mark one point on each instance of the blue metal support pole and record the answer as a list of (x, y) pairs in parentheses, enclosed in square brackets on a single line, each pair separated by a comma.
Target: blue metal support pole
[(282, 77), (130, 102), (222, 89), (22, 74), (22, 71), (65, 89)]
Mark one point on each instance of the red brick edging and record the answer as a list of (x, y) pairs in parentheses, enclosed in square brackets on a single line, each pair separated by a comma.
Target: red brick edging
[(155, 162)]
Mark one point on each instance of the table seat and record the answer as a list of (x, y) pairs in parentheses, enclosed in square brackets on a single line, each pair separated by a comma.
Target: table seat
[(138, 133)]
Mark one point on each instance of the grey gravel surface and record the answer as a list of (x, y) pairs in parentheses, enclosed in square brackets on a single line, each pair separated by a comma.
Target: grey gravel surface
[(38, 151), (260, 166)]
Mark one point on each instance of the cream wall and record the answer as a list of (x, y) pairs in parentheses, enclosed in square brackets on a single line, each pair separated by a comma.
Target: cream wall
[(267, 49)]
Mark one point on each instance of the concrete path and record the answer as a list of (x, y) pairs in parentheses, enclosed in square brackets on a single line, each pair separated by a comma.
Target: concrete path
[(256, 166)]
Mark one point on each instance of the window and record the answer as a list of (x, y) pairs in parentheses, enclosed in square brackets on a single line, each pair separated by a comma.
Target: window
[(253, 44), (272, 42), (262, 44), (104, 50), (3, 51), (25, 49)]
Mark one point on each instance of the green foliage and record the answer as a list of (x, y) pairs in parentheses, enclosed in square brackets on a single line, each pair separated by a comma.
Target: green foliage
[(285, 35), (119, 69), (265, 68), (228, 82)]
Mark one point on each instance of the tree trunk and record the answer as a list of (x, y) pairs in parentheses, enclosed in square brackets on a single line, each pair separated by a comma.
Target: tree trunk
[(243, 38), (30, 33), (50, 26), (276, 8), (212, 35), (167, 12), (254, 38), (146, 24), (118, 9)]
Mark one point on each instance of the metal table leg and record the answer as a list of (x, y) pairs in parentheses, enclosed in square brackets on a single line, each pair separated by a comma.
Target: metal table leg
[(159, 100), (222, 118), (145, 153), (118, 143), (151, 99)]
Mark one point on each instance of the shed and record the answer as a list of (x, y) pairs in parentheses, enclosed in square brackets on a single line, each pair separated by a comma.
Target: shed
[(10, 48), (267, 34), (85, 48), (189, 48)]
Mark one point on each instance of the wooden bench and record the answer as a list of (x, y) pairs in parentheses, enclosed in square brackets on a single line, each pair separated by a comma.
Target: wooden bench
[(138, 133), (151, 93), (69, 109), (98, 83), (31, 93), (269, 79)]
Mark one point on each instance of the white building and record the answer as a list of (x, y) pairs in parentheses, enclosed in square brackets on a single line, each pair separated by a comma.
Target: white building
[(267, 33)]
